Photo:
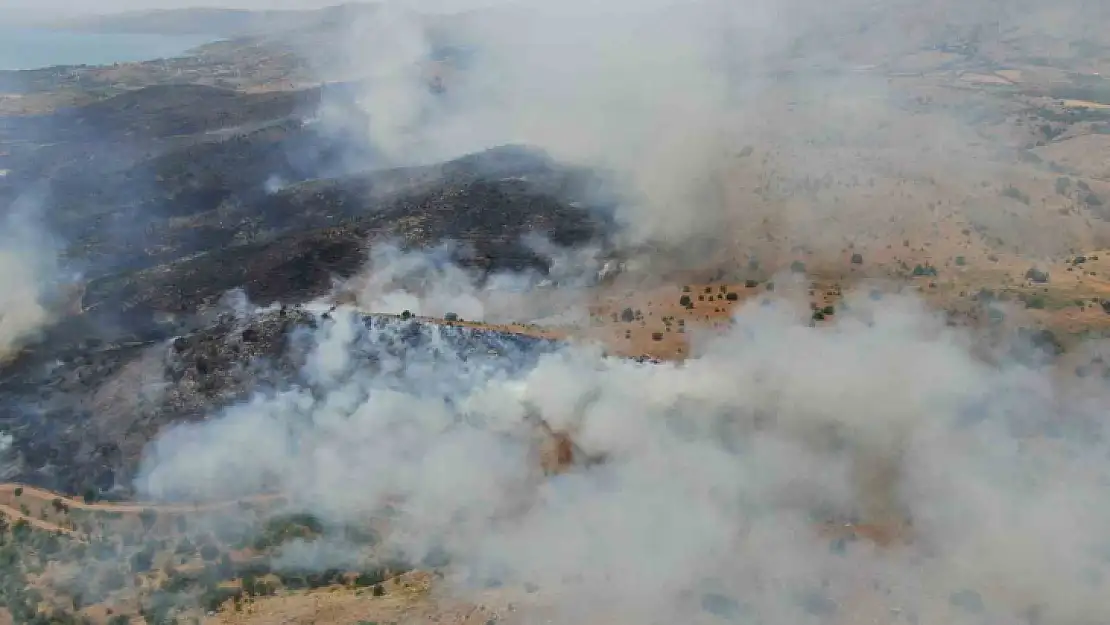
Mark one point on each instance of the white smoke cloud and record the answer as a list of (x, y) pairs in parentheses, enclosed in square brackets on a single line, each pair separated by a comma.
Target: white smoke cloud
[(429, 283), (732, 128), (718, 471), (28, 278), (639, 88)]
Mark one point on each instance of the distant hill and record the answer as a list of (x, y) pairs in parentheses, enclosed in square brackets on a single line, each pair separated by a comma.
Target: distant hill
[(212, 21)]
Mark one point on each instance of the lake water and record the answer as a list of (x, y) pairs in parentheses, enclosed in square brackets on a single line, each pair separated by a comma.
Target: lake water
[(32, 48)]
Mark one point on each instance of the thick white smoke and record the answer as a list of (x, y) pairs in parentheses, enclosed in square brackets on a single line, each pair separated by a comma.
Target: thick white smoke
[(757, 127), (718, 475), (429, 283), (28, 278), (639, 88)]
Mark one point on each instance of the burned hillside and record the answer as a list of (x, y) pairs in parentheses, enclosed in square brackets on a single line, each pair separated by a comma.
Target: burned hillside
[(166, 198), (77, 423), (169, 195), (303, 238)]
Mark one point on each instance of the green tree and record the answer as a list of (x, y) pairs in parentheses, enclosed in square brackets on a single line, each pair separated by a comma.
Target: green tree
[(148, 518), (142, 560)]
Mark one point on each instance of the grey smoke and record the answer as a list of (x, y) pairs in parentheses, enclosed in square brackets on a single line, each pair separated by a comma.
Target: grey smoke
[(730, 128), (719, 470), (29, 277), (429, 283), (639, 89)]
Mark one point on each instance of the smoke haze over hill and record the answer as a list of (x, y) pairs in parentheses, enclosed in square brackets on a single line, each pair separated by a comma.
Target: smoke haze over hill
[(868, 463), (719, 471)]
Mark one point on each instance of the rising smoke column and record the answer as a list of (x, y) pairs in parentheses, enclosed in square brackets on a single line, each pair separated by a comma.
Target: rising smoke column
[(719, 472), (28, 277)]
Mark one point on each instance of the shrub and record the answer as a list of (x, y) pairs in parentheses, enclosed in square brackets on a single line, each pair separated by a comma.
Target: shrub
[(798, 267), (225, 567), (627, 315), (1015, 194), (254, 587), (1036, 275), (721, 606), (405, 314), (857, 259), (732, 297), (18, 491), (960, 261), (213, 599), (209, 552), (817, 604), (142, 561), (370, 578), (148, 518), (685, 302), (968, 600)]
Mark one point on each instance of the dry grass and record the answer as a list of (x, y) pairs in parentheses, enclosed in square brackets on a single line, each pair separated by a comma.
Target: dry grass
[(1084, 104)]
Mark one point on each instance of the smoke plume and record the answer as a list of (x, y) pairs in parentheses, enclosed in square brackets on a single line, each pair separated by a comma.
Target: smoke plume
[(430, 283), (718, 474), (28, 280), (640, 89), (731, 128), (723, 487)]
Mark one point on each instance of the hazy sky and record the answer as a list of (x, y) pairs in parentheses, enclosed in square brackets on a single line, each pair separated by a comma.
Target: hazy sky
[(109, 6), (104, 6)]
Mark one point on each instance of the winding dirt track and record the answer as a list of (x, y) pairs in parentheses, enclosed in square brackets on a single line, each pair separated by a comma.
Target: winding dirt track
[(42, 499), (14, 515), (45, 496)]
